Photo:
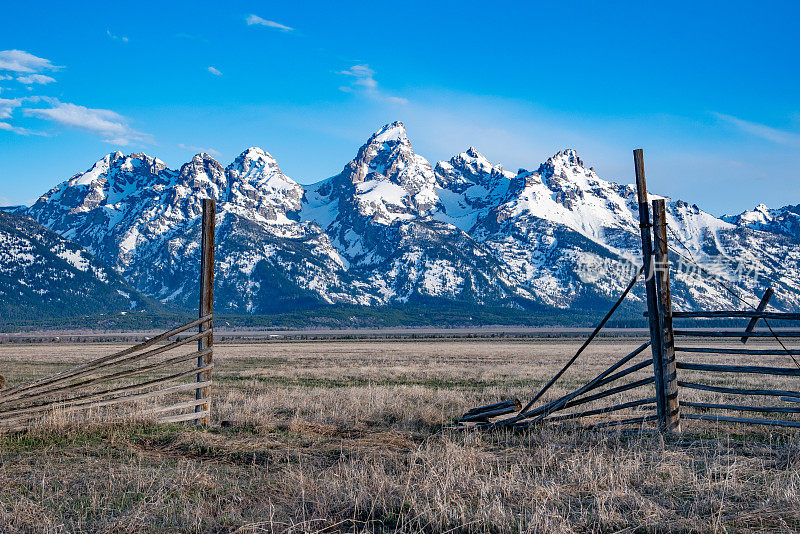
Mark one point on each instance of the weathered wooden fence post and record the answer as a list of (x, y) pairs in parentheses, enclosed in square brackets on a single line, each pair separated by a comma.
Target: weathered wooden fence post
[(206, 304), (669, 370), (650, 286)]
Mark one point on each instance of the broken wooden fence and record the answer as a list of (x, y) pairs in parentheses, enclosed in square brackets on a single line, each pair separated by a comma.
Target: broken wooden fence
[(655, 380), (156, 379)]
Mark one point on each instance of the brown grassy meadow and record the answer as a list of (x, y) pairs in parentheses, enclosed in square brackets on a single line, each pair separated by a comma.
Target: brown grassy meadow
[(353, 436)]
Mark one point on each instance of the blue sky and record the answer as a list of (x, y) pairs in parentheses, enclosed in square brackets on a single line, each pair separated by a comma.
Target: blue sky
[(708, 89)]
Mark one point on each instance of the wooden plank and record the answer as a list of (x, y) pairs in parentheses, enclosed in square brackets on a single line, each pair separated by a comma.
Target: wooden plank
[(791, 399), (136, 348), (739, 391), (734, 333), (651, 291), (497, 405), (101, 394), (625, 372), (740, 407), (106, 378), (485, 416), (194, 416), (28, 414), (751, 369), (760, 309), (178, 406), (598, 411), (609, 392), (671, 421), (83, 370), (742, 420), (206, 306), (749, 352)]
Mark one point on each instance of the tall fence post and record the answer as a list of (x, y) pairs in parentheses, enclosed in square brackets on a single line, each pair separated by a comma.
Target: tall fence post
[(650, 286), (669, 370), (206, 304)]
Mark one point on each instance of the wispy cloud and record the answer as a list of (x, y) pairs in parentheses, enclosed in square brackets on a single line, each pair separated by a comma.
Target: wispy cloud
[(768, 133), (198, 150), (255, 20), (214, 71), (17, 130), (363, 80), (108, 124), (122, 38), (35, 78), (21, 61), (363, 76), (8, 105)]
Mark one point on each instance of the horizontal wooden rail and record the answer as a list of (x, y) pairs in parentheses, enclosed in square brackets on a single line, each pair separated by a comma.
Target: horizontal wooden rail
[(598, 411), (130, 350), (110, 402), (99, 395), (735, 333), (178, 406), (747, 352), (185, 417), (629, 421), (742, 420), (750, 369), (739, 391), (111, 377), (740, 407), (733, 314)]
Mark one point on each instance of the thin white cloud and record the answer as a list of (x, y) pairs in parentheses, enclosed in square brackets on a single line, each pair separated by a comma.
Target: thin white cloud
[(21, 61), (117, 37), (768, 133), (255, 20), (7, 106), (214, 71), (363, 75), (363, 79), (17, 130), (198, 150), (108, 124), (35, 78)]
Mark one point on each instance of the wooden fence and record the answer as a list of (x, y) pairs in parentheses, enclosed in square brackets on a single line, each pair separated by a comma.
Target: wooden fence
[(674, 366), (151, 379)]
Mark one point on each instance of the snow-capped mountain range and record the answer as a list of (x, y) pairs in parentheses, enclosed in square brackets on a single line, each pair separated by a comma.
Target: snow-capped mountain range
[(43, 274), (392, 228)]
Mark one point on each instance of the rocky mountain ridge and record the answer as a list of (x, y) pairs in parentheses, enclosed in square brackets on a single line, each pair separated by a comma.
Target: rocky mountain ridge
[(391, 228)]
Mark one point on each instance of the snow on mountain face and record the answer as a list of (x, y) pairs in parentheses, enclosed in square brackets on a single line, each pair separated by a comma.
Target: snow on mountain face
[(783, 221), (393, 228), (43, 275)]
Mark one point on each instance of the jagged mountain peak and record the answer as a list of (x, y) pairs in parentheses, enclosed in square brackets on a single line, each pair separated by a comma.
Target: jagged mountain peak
[(255, 164), (565, 158), (394, 132)]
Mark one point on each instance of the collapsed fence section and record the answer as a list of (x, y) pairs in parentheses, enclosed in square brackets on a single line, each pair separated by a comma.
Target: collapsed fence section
[(146, 379), (678, 363), (157, 378)]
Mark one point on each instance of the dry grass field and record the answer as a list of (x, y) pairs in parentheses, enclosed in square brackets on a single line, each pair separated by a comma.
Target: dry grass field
[(353, 436)]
